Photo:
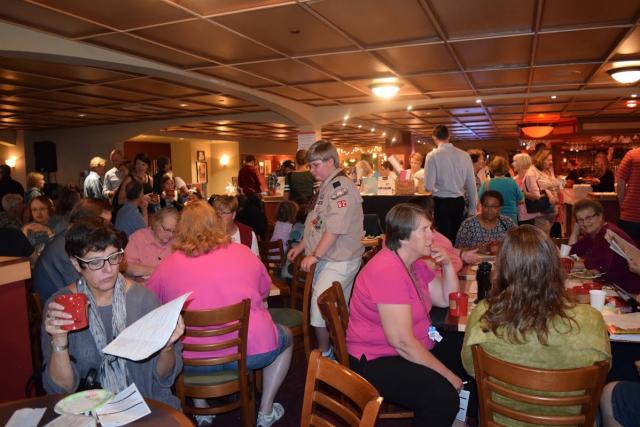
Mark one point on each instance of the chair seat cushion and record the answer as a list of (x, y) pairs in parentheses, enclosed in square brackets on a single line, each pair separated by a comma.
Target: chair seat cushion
[(215, 378), (288, 317)]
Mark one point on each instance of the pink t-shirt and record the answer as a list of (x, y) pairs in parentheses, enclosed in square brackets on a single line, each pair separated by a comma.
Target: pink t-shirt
[(222, 277), (144, 249), (441, 241), (384, 280)]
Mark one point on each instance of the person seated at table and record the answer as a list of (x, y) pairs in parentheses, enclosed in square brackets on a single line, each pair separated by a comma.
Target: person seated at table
[(512, 196), (148, 246), (629, 249), (528, 318), (588, 241), (133, 215), (220, 272), (11, 213), (603, 179), (169, 196), (95, 249), (620, 403), (37, 230), (227, 207), (387, 338), (487, 227)]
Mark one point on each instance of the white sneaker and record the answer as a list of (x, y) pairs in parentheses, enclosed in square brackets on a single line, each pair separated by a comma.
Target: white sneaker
[(204, 420), (267, 420)]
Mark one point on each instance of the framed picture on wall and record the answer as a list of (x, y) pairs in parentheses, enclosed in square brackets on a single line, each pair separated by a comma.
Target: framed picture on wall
[(200, 156), (201, 169)]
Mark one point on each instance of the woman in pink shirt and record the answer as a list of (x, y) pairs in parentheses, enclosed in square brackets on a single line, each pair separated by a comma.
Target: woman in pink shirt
[(221, 273), (388, 335)]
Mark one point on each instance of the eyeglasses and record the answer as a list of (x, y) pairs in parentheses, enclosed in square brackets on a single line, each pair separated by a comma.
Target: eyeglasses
[(586, 218), (225, 212), (97, 263), (167, 230)]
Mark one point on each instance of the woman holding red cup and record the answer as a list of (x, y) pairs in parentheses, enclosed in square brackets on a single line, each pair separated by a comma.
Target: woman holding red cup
[(75, 332)]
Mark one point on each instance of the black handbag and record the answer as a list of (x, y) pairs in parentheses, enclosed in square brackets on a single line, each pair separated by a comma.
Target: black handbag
[(541, 205)]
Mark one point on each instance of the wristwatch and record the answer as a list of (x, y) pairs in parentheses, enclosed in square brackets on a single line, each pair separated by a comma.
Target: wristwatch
[(59, 348)]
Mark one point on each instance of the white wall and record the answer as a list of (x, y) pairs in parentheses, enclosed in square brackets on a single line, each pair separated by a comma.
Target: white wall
[(12, 146)]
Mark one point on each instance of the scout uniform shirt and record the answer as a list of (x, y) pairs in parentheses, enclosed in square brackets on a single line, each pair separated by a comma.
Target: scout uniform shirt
[(338, 210)]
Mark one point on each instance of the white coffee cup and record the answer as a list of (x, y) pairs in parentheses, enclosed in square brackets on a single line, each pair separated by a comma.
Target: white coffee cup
[(596, 297), (565, 250)]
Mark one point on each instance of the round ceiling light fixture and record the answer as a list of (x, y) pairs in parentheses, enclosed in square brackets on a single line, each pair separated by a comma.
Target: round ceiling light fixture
[(625, 75), (385, 88), (537, 130)]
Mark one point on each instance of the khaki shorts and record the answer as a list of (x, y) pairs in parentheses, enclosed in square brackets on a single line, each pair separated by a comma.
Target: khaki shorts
[(326, 273)]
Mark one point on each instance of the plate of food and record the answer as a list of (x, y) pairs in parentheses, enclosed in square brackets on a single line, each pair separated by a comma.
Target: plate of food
[(83, 402), (586, 274)]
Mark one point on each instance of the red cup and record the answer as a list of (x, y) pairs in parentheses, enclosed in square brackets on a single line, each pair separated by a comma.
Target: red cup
[(458, 304), (592, 285), (76, 305), (567, 264)]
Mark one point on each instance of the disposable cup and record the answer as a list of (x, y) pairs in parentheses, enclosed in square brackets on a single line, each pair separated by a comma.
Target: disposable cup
[(458, 304), (596, 297), (76, 305)]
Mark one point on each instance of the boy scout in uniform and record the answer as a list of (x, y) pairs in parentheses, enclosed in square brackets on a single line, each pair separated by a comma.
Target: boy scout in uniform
[(333, 232)]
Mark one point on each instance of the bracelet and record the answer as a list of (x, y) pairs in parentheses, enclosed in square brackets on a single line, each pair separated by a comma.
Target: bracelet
[(315, 256), (59, 348)]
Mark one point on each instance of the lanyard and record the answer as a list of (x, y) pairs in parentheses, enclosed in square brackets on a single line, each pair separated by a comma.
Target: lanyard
[(415, 285)]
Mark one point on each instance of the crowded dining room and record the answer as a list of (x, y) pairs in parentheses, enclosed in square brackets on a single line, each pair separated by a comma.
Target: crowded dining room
[(320, 213)]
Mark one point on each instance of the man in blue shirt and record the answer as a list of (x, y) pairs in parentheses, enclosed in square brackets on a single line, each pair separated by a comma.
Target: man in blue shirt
[(129, 218)]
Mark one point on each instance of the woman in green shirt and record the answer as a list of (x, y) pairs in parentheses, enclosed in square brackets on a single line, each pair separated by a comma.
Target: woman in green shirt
[(528, 318)]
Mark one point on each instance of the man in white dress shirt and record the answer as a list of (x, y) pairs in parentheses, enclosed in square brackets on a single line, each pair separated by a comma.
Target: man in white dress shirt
[(112, 178)]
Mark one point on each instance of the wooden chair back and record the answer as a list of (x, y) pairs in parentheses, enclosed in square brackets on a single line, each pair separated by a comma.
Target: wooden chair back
[(232, 323), (335, 313), (579, 387), (272, 256), (301, 288), (322, 371)]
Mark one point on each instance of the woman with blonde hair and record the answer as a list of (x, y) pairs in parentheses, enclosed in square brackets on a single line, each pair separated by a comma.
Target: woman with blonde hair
[(221, 273), (539, 183), (35, 184)]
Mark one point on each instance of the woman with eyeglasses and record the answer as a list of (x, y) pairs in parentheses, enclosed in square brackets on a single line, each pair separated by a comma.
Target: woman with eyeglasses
[(148, 246), (227, 208), (588, 241), (95, 249)]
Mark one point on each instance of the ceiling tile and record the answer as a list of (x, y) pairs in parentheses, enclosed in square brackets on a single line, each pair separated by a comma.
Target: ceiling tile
[(466, 110), (471, 17), (72, 98), (498, 78), (584, 12), (440, 82), (496, 52), (285, 71), (419, 59), (586, 45), (236, 76), (292, 93), (562, 74), (506, 109), (331, 89), (544, 108), (121, 14), (63, 71), (629, 48), (156, 88), (289, 29), (44, 19), (136, 46), (588, 105), (350, 65), (377, 25), (111, 93), (179, 105), (220, 45), (31, 81), (220, 100)]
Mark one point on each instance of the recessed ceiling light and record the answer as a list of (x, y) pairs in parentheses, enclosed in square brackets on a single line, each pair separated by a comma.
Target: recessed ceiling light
[(393, 139), (344, 124), (634, 95), (373, 129), (553, 97), (478, 101), (359, 126), (428, 113), (184, 105), (385, 88), (410, 107), (346, 117), (632, 103), (384, 134), (82, 115)]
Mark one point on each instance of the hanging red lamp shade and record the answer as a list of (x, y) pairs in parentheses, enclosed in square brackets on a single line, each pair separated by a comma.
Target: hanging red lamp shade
[(537, 130)]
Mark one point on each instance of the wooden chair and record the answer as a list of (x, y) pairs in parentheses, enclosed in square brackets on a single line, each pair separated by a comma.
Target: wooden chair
[(219, 322), (336, 315), (364, 396), (272, 256), (580, 387), (297, 317)]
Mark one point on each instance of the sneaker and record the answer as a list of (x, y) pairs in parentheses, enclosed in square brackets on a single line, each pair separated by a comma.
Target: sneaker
[(329, 354), (204, 420), (267, 420)]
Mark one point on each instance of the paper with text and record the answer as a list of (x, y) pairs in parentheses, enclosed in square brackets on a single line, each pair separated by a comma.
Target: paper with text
[(26, 417), (149, 333), (464, 403), (125, 407), (69, 420)]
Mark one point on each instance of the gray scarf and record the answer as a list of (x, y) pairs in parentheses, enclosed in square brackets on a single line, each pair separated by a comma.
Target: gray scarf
[(113, 370)]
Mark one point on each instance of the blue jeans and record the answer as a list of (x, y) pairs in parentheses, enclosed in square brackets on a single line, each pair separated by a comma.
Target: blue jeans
[(255, 361)]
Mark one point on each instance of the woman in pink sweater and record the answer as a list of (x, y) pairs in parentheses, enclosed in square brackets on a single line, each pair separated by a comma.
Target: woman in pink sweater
[(221, 273)]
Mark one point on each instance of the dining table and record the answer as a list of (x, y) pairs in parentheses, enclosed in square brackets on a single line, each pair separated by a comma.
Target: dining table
[(161, 413)]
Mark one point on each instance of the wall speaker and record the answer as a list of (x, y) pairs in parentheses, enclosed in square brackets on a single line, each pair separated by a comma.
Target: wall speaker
[(46, 158)]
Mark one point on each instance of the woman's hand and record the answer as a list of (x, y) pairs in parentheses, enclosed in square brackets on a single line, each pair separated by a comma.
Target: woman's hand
[(307, 262), (470, 256), (455, 381), (177, 333), (36, 228), (55, 318), (440, 256), (294, 252)]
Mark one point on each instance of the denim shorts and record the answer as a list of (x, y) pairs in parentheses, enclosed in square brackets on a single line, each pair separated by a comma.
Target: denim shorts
[(625, 400), (255, 361)]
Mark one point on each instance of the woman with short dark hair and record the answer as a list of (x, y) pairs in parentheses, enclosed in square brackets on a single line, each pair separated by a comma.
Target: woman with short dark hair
[(486, 228), (388, 336), (528, 318), (95, 248)]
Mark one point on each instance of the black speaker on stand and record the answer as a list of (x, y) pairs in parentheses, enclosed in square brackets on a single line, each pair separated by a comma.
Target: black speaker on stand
[(47, 163)]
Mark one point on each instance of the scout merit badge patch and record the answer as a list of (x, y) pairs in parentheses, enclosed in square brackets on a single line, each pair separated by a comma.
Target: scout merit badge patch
[(342, 203), (339, 193)]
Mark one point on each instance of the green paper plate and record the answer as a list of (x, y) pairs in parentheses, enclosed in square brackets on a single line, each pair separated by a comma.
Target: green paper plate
[(83, 402)]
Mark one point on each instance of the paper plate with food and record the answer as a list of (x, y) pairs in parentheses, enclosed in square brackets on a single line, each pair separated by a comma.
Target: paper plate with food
[(586, 274), (83, 402)]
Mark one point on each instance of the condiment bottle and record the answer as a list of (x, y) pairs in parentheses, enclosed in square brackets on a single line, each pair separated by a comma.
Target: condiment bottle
[(483, 277)]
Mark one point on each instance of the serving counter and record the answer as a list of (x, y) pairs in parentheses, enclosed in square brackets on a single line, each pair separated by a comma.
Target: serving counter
[(15, 357)]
